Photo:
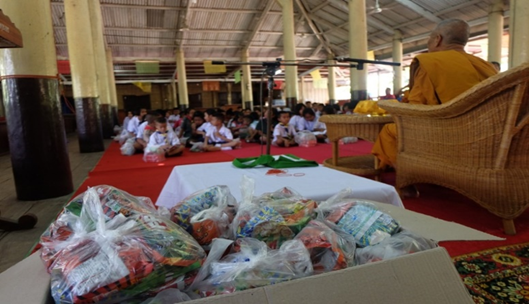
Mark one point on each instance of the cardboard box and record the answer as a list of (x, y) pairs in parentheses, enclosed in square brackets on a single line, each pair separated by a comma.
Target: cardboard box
[(423, 277)]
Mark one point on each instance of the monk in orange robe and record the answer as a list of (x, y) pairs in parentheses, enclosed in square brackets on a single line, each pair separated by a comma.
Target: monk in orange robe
[(436, 77)]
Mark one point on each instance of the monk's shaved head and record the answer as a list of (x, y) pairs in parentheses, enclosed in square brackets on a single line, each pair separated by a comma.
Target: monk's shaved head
[(450, 34), (453, 31)]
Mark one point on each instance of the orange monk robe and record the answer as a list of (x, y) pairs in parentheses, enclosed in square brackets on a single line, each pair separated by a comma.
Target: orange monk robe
[(435, 78)]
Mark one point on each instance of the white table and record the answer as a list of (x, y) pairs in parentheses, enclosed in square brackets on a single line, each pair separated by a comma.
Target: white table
[(317, 183)]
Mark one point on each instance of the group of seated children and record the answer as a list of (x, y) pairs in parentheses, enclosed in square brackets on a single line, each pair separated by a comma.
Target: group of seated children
[(215, 129)]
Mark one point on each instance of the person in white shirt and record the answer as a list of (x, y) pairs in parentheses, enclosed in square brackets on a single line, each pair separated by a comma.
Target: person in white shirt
[(145, 129), (310, 123), (135, 121), (164, 139), (218, 137), (297, 118), (284, 132), (203, 129), (127, 119)]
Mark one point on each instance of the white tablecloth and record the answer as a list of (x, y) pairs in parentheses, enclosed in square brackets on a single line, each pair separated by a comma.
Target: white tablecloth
[(317, 183)]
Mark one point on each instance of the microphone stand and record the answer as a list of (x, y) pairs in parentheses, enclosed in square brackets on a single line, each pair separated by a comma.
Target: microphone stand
[(271, 69)]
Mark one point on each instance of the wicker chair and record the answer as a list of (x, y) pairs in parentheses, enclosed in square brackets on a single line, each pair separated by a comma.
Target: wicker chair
[(477, 144)]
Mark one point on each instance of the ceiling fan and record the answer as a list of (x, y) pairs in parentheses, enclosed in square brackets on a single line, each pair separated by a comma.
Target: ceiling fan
[(375, 9)]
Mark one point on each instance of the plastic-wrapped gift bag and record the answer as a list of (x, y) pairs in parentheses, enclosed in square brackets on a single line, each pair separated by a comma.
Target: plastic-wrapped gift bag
[(128, 147), (329, 249), (273, 217), (399, 244), (305, 139), (254, 265), (115, 250), (358, 218), (206, 214), (153, 154)]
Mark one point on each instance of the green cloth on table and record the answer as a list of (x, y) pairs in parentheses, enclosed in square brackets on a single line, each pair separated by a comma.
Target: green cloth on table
[(278, 162)]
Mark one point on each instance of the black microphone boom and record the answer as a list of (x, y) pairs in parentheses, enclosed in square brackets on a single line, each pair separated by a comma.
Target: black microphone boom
[(360, 62)]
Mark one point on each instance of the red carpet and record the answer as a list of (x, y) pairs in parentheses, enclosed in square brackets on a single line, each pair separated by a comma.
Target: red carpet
[(498, 275), (112, 160), (133, 175)]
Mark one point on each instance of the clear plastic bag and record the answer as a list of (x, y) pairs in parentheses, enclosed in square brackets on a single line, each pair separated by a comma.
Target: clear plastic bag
[(168, 296), (113, 247), (273, 217), (153, 154), (329, 249), (402, 243), (123, 136), (128, 147), (358, 218), (206, 214), (305, 139), (255, 265)]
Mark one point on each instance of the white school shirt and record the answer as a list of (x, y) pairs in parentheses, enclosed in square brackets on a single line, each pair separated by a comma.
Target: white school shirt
[(210, 134), (141, 128), (126, 122), (160, 139), (295, 120), (173, 118), (134, 122), (254, 123), (283, 131), (205, 127), (311, 125)]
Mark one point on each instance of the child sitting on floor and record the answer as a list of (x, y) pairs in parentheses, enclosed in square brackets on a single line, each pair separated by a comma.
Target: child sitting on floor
[(145, 129), (283, 132), (311, 123), (164, 139), (218, 137)]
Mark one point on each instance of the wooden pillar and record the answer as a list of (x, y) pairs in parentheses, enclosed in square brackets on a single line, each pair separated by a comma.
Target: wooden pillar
[(229, 87), (112, 86), (84, 75), (105, 99), (331, 79), (301, 90), (519, 33), (182, 79), (289, 48), (358, 48), (39, 153), (246, 84), (397, 57), (495, 31), (174, 93)]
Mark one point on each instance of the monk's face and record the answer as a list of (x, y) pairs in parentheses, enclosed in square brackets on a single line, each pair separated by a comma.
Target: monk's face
[(434, 42)]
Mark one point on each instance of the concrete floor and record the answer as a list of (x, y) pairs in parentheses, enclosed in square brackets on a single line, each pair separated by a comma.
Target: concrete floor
[(14, 246)]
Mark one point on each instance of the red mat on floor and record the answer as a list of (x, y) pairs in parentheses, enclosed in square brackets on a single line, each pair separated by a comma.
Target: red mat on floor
[(112, 160), (147, 179)]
